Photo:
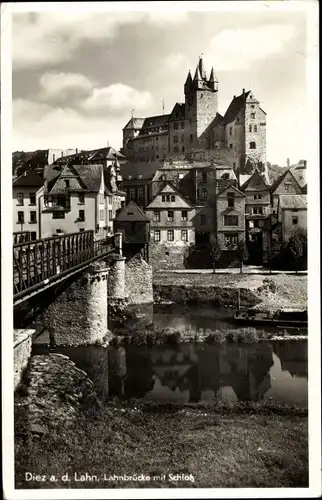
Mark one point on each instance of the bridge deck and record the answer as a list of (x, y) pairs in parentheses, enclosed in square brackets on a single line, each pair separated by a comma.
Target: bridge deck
[(36, 263)]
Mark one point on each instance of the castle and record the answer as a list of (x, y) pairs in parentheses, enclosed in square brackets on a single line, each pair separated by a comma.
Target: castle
[(195, 130)]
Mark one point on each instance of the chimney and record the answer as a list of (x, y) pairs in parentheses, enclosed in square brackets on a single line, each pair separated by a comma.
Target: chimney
[(288, 163), (107, 143), (243, 91), (76, 150), (304, 161)]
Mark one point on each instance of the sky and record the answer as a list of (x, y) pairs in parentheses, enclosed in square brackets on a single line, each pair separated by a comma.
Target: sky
[(78, 75)]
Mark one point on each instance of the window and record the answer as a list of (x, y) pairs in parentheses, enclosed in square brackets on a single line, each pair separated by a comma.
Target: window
[(231, 220), (101, 198), (20, 198), (67, 183), (110, 200), (230, 130), (59, 215), (102, 215), (294, 220), (252, 145), (231, 240), (33, 217), (231, 200), (163, 177), (132, 193), (184, 215), (175, 149), (173, 198), (203, 220), (255, 128), (21, 217), (81, 198), (252, 105), (191, 138), (204, 193), (258, 210), (231, 146), (156, 235), (168, 197), (33, 235), (163, 197), (287, 186), (140, 193), (253, 115), (175, 126), (257, 196), (81, 215), (110, 214), (204, 176), (184, 235), (32, 198), (170, 216), (250, 128), (54, 156), (170, 235), (82, 229), (180, 176), (182, 149), (156, 216)]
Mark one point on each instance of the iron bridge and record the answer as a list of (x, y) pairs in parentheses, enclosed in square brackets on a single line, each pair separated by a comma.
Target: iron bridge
[(40, 264)]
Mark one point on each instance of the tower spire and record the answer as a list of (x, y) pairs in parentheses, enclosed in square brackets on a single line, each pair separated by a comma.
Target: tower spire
[(202, 68)]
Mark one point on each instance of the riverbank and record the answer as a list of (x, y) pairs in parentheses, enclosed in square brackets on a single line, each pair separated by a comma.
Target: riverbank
[(265, 292), (244, 445)]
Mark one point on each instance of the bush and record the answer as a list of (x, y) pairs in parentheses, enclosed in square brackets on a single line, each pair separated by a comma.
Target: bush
[(216, 337)]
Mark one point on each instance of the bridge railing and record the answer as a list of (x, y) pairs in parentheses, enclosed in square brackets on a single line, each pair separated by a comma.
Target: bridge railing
[(40, 260)]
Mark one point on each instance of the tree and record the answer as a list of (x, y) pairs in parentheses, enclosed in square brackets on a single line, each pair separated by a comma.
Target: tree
[(242, 253), (297, 245), (215, 250)]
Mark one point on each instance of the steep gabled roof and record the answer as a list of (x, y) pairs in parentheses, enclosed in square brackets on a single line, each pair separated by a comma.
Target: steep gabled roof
[(154, 121), (29, 179), (235, 106), (293, 201), (134, 123), (169, 188), (140, 168), (91, 175), (131, 213), (179, 109), (230, 187), (281, 178), (248, 181)]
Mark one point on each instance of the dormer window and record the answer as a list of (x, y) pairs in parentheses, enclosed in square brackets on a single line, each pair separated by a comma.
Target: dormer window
[(67, 183)]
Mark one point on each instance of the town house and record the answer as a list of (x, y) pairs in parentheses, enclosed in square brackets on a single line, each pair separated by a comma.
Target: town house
[(171, 228), (26, 193)]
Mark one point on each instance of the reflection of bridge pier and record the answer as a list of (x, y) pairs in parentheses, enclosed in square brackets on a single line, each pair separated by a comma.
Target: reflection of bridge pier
[(293, 357)]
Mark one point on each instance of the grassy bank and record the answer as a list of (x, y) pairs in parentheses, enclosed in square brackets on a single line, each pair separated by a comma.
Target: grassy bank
[(168, 336), (276, 291), (238, 446)]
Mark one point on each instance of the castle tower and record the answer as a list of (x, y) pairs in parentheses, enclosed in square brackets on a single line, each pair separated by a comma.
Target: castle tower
[(201, 106)]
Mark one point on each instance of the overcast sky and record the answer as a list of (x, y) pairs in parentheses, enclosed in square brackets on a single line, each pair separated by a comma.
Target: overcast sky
[(76, 76)]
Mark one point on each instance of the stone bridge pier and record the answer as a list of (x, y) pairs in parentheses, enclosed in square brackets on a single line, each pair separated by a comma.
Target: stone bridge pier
[(79, 316)]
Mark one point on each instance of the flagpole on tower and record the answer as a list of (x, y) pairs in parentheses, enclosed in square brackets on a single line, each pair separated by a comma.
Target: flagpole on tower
[(163, 105)]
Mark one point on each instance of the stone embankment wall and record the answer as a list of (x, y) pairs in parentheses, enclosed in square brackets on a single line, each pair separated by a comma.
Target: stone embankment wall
[(183, 294), (56, 391), (22, 352)]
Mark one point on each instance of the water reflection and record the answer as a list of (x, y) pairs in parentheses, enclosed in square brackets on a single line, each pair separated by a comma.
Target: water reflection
[(200, 372), (192, 372)]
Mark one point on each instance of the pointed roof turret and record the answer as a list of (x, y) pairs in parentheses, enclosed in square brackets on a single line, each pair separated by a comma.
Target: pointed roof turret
[(212, 76), (197, 76), (188, 84), (189, 78), (202, 69)]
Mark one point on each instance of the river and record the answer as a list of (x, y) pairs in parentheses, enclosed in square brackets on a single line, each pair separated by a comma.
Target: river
[(273, 371)]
